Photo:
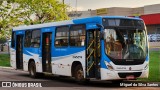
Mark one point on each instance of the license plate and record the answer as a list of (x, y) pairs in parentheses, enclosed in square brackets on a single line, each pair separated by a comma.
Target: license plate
[(130, 77)]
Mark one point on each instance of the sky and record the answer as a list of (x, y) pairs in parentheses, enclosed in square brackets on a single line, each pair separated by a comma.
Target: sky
[(95, 4)]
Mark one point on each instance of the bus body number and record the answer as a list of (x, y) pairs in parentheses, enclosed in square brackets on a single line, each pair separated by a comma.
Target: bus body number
[(77, 57)]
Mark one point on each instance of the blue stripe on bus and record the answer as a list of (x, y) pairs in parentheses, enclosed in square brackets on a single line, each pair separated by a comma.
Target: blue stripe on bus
[(104, 56), (28, 51), (66, 51), (57, 52)]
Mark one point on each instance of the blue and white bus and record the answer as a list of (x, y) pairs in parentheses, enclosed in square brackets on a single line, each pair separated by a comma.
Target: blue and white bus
[(101, 47)]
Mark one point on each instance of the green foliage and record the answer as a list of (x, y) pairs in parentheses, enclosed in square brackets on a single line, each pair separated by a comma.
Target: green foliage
[(3, 40), (20, 12), (7, 12), (42, 11)]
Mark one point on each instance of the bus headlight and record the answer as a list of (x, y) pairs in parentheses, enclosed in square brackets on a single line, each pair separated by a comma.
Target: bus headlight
[(109, 66), (146, 67)]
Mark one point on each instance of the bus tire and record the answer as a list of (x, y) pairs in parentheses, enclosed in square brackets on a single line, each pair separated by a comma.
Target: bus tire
[(78, 72), (32, 70)]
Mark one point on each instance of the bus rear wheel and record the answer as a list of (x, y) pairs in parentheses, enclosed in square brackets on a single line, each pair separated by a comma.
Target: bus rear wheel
[(79, 76), (32, 69)]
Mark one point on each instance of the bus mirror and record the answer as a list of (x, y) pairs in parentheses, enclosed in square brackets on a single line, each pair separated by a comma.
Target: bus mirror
[(102, 32), (100, 26), (102, 35)]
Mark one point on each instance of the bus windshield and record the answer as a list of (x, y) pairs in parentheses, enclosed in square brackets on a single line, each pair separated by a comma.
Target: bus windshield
[(125, 43)]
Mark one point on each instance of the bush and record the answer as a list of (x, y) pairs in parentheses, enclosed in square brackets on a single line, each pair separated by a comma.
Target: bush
[(2, 40)]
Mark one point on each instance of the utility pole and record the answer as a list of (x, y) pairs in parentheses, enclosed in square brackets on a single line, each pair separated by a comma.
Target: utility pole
[(76, 8), (63, 7), (63, 1), (76, 5)]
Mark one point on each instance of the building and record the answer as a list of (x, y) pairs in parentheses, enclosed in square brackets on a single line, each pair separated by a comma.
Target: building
[(151, 17), (79, 14)]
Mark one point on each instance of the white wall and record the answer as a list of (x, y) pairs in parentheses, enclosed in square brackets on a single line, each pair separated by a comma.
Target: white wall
[(151, 9), (79, 14)]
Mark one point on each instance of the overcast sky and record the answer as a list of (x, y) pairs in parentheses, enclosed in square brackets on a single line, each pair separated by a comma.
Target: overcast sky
[(94, 4)]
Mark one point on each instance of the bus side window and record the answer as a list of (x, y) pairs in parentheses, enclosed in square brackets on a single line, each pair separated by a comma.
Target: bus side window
[(35, 41), (77, 35), (27, 42), (61, 37)]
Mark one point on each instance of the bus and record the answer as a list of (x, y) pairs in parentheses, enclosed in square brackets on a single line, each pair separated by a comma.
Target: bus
[(100, 47)]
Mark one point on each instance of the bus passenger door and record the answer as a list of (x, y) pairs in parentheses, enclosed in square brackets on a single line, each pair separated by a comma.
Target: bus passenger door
[(93, 54), (19, 51), (46, 52)]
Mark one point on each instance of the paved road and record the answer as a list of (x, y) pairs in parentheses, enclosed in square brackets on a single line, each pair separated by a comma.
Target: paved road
[(59, 83)]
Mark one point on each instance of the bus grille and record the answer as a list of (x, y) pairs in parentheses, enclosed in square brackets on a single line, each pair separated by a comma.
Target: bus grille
[(124, 75)]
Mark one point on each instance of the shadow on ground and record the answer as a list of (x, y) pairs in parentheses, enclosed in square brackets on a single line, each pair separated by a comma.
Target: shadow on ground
[(62, 81)]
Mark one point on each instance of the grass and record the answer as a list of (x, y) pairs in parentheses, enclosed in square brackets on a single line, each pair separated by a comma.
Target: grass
[(4, 60), (154, 65), (154, 70)]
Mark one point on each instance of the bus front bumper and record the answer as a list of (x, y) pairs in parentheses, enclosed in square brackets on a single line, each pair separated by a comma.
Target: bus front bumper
[(115, 75)]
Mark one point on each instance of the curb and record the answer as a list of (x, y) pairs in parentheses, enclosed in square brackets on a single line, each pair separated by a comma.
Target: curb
[(154, 47), (3, 67)]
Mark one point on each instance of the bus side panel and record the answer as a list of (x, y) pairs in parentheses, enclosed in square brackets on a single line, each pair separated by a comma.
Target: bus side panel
[(32, 53), (13, 57), (26, 58), (13, 50), (61, 65)]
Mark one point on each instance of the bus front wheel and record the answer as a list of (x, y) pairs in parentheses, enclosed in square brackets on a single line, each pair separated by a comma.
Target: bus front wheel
[(32, 69)]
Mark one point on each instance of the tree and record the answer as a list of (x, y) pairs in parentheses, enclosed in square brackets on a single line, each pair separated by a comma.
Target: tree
[(5, 11), (20, 12), (42, 11)]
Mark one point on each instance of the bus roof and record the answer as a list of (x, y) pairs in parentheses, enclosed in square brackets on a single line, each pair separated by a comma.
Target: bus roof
[(95, 19)]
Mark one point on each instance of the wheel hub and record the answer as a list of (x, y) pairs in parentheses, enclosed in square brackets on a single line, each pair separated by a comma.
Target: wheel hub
[(32, 72), (79, 74)]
